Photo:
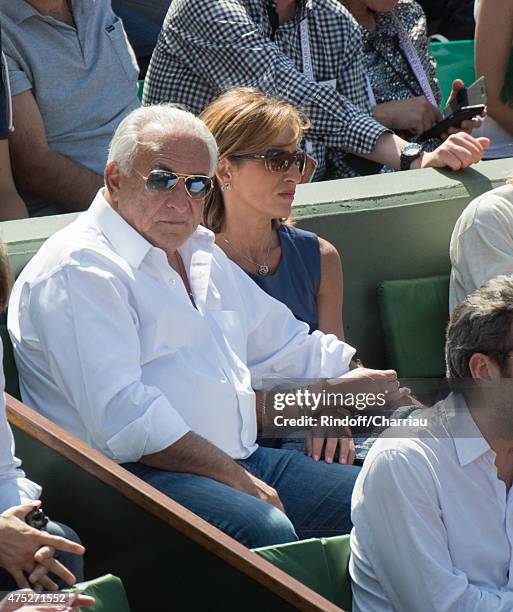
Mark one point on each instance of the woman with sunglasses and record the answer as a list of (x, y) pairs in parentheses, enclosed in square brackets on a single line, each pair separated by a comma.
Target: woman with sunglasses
[(260, 165)]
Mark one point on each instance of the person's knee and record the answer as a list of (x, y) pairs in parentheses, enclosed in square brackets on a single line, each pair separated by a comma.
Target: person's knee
[(265, 525), (75, 563), (63, 531)]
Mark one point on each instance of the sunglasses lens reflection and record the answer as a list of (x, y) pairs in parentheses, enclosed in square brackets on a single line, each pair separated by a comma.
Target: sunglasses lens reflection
[(161, 181), (281, 162), (198, 186)]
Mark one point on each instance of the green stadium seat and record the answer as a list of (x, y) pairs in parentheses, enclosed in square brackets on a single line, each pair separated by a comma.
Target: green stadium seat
[(322, 564), (108, 591), (414, 315), (454, 60)]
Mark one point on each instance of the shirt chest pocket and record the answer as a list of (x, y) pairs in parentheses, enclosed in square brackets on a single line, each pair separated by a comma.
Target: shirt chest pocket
[(120, 51)]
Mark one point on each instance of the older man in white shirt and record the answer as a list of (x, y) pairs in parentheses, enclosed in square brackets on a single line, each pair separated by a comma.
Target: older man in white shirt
[(135, 332), (433, 510)]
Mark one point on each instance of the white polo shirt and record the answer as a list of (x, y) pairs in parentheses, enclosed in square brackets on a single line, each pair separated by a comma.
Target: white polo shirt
[(109, 345)]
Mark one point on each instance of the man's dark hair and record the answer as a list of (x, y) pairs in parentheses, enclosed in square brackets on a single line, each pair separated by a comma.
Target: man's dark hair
[(481, 323)]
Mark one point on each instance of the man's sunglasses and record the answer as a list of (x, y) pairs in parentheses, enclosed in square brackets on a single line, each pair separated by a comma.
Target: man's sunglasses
[(277, 160), (197, 186)]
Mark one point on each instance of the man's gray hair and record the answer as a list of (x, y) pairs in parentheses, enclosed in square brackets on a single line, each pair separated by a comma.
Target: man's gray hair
[(158, 118), (481, 323)]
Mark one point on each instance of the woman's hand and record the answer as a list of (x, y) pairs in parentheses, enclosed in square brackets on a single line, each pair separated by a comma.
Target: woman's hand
[(414, 115), (465, 126), (346, 449)]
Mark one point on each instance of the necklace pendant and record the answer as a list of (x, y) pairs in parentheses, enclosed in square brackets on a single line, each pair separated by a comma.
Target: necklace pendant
[(263, 269)]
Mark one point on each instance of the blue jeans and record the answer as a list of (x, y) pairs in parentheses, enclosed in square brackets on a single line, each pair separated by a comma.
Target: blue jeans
[(316, 496)]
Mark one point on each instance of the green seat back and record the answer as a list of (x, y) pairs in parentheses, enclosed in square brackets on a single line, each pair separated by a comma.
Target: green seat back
[(337, 552), (140, 90), (321, 564), (454, 60), (11, 373), (414, 315), (108, 591)]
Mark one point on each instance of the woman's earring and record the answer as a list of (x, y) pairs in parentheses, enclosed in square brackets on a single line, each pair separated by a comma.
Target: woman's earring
[(225, 187)]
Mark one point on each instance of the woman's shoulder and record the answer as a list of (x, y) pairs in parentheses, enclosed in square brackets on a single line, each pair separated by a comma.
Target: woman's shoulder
[(296, 233), (410, 13)]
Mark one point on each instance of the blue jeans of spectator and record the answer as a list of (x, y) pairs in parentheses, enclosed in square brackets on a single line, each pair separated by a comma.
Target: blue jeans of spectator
[(316, 496), (75, 563)]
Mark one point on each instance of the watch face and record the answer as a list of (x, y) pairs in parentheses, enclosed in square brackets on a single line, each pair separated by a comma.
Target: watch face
[(412, 149)]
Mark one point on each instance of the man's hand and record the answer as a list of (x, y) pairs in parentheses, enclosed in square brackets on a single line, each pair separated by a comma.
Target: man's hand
[(414, 115), (465, 126), (77, 601), (25, 549), (458, 151), (258, 488)]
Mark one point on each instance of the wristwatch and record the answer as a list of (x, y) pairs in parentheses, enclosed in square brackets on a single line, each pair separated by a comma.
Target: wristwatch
[(409, 153)]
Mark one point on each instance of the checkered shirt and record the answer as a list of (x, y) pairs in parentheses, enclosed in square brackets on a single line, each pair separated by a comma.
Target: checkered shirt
[(208, 46)]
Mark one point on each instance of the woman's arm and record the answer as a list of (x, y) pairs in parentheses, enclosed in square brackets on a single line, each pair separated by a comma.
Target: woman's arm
[(330, 294), (11, 205), (494, 36)]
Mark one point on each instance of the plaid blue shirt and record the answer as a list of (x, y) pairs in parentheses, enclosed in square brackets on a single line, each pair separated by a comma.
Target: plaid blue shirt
[(208, 46)]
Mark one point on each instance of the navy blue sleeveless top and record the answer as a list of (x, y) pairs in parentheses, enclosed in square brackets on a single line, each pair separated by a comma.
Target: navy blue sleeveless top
[(298, 275)]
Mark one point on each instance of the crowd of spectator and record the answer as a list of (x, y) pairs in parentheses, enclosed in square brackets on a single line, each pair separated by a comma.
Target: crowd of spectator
[(155, 324)]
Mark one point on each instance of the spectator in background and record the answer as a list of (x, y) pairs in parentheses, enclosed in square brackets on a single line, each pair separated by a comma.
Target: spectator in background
[(307, 53), (11, 205), (482, 242), (143, 21), (73, 78), (494, 41), (401, 72), (453, 19)]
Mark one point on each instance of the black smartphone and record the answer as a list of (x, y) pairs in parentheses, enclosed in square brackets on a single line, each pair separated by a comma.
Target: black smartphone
[(453, 120)]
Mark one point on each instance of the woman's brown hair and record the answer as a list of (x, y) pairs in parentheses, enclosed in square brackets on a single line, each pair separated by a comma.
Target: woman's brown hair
[(5, 277), (245, 121)]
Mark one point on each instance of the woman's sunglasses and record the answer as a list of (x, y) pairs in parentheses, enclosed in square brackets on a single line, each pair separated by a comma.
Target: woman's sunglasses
[(277, 160), (197, 186)]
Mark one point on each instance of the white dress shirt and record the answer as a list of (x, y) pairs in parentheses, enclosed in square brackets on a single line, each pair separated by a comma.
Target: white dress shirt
[(433, 526), (15, 489), (109, 345)]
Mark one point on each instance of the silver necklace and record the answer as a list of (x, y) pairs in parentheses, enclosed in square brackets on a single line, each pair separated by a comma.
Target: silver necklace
[(263, 268)]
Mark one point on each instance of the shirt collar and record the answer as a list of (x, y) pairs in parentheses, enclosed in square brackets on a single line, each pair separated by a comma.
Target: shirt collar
[(129, 243), (304, 7), (468, 439), (18, 10)]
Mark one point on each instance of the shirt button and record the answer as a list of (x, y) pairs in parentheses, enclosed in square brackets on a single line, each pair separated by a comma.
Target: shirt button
[(172, 281)]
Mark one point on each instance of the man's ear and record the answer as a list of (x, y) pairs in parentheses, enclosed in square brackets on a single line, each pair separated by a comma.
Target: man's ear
[(482, 367), (112, 178)]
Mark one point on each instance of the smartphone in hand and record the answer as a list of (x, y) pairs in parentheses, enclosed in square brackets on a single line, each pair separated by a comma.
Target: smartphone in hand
[(468, 103)]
